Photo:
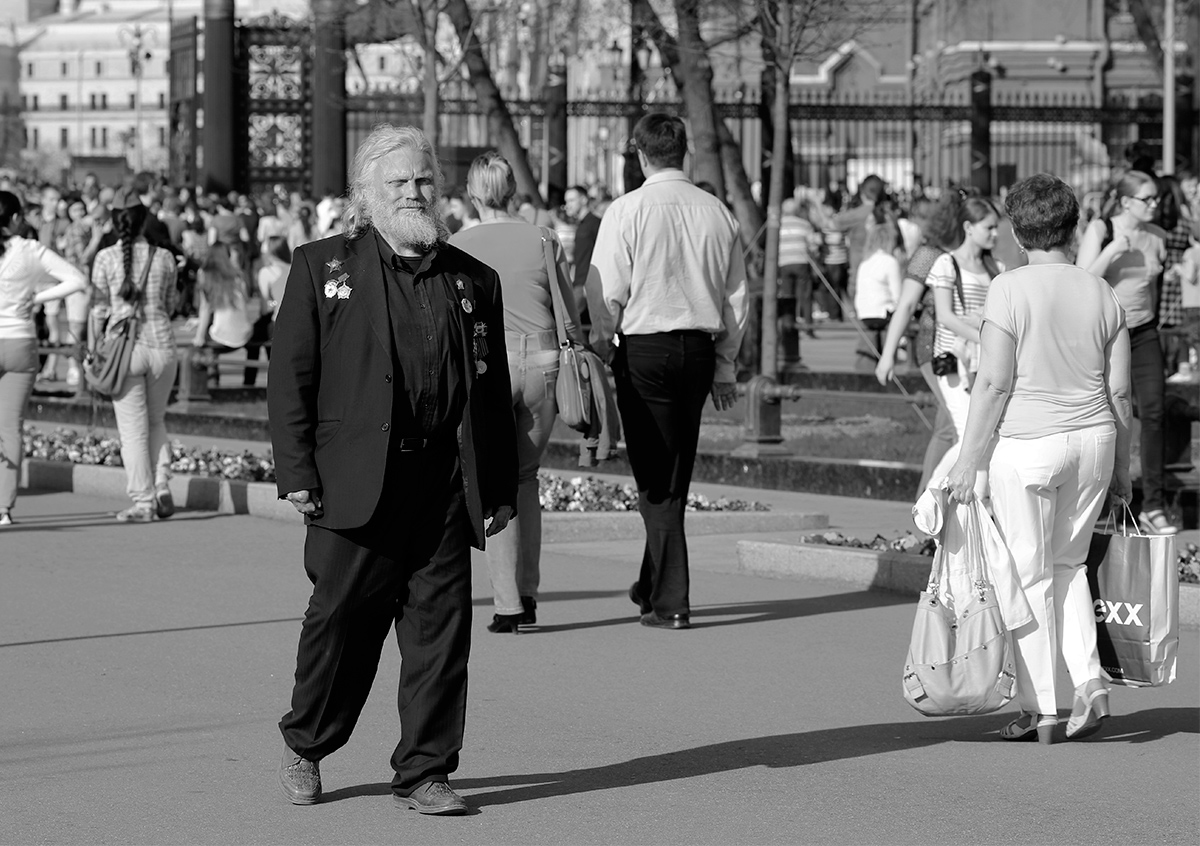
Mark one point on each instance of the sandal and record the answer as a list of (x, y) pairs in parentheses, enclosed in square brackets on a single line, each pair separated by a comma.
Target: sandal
[(1156, 523), (1031, 727), (1090, 710)]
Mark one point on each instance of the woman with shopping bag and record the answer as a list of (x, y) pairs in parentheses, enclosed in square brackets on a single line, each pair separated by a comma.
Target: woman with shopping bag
[(1057, 392)]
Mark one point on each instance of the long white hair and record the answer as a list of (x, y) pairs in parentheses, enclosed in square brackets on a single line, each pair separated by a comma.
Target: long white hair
[(383, 139)]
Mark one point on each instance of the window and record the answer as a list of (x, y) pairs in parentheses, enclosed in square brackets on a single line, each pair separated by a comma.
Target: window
[(162, 100), (34, 145), (29, 69), (35, 103), (64, 138), (92, 102), (104, 101), (162, 136), (66, 69), (133, 101), (104, 138), (382, 63), (92, 133), (99, 68), (63, 103), (24, 103)]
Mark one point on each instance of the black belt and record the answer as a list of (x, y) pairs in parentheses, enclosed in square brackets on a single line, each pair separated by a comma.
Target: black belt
[(413, 444)]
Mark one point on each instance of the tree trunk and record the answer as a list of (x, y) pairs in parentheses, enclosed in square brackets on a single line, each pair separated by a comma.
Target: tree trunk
[(500, 122), (694, 68), (429, 19), (770, 337)]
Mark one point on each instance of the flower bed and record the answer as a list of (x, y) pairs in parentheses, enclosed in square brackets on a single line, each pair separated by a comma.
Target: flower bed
[(580, 493), (1189, 554)]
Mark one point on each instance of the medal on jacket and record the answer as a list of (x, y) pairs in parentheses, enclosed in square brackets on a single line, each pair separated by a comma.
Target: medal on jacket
[(479, 347)]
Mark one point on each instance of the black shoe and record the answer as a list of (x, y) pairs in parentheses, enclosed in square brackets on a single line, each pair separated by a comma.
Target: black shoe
[(434, 797), (636, 596), (529, 617), (675, 621), (505, 623), (300, 778)]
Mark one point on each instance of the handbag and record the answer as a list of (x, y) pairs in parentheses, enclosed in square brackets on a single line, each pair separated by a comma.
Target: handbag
[(105, 367), (1134, 581), (573, 389), (960, 657)]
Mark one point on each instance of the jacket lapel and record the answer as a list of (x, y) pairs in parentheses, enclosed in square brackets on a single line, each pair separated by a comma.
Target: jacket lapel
[(466, 320), (362, 264)]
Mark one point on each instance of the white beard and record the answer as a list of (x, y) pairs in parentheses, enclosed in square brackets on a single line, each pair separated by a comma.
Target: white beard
[(404, 228)]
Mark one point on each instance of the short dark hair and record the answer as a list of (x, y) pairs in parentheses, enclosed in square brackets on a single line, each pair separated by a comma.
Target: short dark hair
[(871, 188), (1044, 212), (662, 139)]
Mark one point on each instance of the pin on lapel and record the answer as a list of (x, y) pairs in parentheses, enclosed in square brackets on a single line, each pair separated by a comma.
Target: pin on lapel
[(338, 287), (466, 305), (480, 367), (334, 265), (459, 284)]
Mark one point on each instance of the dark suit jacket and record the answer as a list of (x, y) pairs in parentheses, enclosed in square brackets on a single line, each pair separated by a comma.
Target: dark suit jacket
[(332, 376)]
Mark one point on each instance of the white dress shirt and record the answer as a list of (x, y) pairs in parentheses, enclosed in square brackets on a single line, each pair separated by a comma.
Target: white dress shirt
[(668, 257)]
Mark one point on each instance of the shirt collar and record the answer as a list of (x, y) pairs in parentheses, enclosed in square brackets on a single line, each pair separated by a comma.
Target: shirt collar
[(387, 253), (669, 175)]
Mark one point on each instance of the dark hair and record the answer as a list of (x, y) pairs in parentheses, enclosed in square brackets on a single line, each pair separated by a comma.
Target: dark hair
[(662, 139), (1170, 203), (10, 209), (955, 208), (871, 188), (1126, 184), (1044, 212), (277, 246), (142, 183), (705, 185), (128, 223)]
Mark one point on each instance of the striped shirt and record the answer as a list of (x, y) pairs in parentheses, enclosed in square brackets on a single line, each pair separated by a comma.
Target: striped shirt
[(974, 287), (108, 273)]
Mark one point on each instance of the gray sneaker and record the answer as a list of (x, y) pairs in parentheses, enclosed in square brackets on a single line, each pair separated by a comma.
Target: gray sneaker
[(137, 514), (300, 778)]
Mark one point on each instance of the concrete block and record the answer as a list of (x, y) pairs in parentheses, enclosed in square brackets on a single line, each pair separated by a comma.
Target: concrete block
[(572, 526)]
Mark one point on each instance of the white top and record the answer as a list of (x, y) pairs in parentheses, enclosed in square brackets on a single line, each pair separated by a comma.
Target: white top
[(877, 285), (1058, 383), (668, 257), (23, 271), (230, 324)]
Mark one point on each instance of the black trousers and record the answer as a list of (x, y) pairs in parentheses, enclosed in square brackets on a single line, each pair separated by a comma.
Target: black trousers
[(409, 567), (663, 381)]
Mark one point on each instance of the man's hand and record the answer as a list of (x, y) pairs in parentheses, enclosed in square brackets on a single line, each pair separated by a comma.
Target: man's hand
[(496, 519), (307, 503), (724, 395)]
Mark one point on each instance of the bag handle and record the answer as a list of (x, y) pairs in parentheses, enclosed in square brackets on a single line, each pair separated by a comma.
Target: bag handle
[(977, 572), (556, 297), (139, 311)]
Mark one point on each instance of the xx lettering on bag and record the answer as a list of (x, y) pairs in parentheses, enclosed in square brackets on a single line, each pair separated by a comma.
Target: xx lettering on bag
[(1110, 612)]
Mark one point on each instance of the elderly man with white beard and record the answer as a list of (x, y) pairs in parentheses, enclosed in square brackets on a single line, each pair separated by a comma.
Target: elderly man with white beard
[(393, 435)]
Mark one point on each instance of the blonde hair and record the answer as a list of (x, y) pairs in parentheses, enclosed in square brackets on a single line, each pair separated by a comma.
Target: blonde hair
[(884, 235), (384, 139), (490, 181)]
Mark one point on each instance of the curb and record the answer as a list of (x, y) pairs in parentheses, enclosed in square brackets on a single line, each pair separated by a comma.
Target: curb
[(871, 570), (259, 499)]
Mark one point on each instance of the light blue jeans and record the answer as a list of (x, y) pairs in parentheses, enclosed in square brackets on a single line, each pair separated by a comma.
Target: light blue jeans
[(514, 554), (18, 370), (141, 409)]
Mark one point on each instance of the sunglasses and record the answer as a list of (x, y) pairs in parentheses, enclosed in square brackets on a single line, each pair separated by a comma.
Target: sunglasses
[(1149, 201)]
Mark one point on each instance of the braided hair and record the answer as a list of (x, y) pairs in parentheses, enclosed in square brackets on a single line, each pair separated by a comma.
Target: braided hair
[(128, 223), (10, 210)]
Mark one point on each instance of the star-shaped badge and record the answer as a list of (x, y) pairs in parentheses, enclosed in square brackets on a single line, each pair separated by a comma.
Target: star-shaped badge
[(334, 265)]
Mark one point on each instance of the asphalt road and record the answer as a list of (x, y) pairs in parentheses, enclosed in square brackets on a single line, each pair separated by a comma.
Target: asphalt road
[(143, 670)]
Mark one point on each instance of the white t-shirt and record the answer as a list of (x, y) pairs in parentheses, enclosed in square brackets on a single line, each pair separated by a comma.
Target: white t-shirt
[(877, 285)]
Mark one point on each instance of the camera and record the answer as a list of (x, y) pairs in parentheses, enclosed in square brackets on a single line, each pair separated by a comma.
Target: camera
[(945, 364)]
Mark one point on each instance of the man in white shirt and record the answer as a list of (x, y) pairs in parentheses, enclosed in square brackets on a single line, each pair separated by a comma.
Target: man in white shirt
[(668, 271)]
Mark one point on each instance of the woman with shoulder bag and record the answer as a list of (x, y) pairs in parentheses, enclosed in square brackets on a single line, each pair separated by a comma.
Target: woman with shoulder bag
[(1054, 384), (1129, 252), (960, 281), (135, 280), (515, 249), (23, 264)]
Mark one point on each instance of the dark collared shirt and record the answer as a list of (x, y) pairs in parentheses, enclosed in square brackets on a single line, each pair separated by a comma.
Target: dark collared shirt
[(423, 309)]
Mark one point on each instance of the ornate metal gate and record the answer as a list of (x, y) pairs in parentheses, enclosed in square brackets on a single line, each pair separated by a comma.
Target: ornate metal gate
[(273, 80)]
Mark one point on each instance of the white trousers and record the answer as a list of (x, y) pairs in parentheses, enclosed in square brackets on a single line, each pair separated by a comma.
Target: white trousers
[(955, 394), (1046, 495)]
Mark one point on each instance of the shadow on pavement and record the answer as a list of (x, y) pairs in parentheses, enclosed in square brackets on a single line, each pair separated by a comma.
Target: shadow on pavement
[(790, 750), (152, 632), (753, 612), (560, 596), (95, 519)]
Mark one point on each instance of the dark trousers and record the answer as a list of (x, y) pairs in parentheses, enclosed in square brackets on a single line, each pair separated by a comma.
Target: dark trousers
[(409, 567), (837, 275), (1149, 383), (662, 382), (263, 329)]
